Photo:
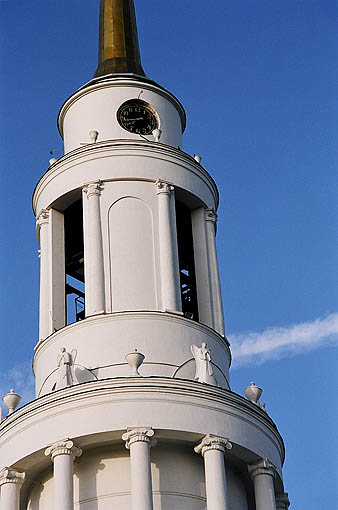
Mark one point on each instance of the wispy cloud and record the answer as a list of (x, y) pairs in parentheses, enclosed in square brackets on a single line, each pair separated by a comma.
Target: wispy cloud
[(21, 379), (275, 343)]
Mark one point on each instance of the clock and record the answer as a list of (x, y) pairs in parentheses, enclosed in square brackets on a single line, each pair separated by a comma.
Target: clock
[(137, 117)]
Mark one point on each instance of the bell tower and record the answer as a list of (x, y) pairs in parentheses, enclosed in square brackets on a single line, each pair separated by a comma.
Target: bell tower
[(133, 404)]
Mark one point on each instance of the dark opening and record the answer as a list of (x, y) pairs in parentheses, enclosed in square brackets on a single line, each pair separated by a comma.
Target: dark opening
[(186, 261), (74, 255)]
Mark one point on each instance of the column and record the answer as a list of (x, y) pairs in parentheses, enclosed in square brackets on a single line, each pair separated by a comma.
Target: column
[(139, 441), (10, 483), (93, 256), (45, 324), (215, 284), (170, 279), (213, 448), (282, 501), (62, 454), (263, 474)]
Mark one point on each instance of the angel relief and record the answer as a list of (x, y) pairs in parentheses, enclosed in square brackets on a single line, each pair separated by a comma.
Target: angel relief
[(204, 371), (66, 373)]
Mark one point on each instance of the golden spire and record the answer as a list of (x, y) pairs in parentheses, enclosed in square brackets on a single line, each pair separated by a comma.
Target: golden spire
[(119, 50)]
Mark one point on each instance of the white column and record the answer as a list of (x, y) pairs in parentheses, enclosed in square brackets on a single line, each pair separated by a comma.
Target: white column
[(63, 454), (93, 256), (282, 501), (202, 270), (57, 270), (139, 441), (211, 219), (263, 475), (213, 448), (170, 278), (10, 483), (45, 324)]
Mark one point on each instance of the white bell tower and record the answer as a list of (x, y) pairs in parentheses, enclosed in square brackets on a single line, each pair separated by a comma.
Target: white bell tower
[(133, 405)]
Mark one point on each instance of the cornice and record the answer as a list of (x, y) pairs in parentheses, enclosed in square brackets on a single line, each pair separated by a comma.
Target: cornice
[(179, 391), (121, 147), (101, 84)]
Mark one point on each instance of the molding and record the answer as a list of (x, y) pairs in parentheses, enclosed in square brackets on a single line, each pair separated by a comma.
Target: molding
[(144, 434), (125, 147), (9, 475), (211, 442), (63, 447), (264, 467), (183, 393)]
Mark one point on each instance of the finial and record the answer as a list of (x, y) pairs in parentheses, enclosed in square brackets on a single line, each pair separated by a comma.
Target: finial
[(11, 401), (253, 393), (93, 135), (135, 360), (157, 134), (119, 51)]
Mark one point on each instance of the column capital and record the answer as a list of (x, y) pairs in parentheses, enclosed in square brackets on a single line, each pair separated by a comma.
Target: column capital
[(42, 217), (92, 189), (211, 215), (63, 447), (143, 434), (9, 475), (263, 467), (164, 187), (282, 501), (211, 442)]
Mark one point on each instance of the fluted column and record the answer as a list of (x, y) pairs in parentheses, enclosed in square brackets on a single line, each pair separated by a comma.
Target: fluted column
[(62, 454), (213, 448), (139, 441), (10, 484), (263, 474), (282, 501), (215, 284), (93, 255), (170, 280), (45, 324)]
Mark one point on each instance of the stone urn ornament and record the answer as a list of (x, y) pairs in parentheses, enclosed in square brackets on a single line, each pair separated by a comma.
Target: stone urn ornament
[(135, 360), (253, 393), (11, 401)]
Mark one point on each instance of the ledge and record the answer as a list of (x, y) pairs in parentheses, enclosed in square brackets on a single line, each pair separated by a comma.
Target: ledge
[(111, 405), (109, 147)]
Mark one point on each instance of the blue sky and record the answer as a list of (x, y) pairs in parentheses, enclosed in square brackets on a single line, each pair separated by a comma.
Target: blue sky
[(259, 83)]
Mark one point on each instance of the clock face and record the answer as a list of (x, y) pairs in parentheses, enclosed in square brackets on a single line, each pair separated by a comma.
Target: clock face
[(137, 117)]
